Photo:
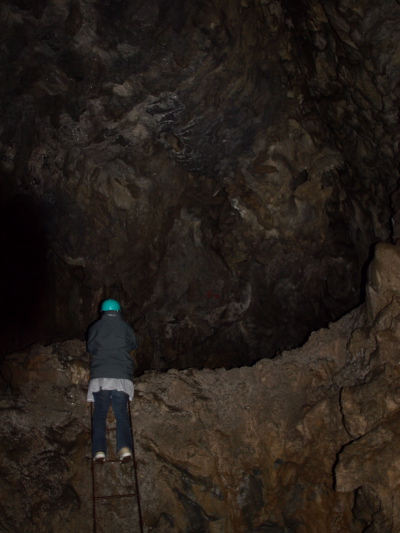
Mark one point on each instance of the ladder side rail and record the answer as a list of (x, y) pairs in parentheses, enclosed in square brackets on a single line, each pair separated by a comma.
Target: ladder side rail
[(93, 477), (136, 474)]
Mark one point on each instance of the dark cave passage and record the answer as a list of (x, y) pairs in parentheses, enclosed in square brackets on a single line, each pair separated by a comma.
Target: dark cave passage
[(23, 272)]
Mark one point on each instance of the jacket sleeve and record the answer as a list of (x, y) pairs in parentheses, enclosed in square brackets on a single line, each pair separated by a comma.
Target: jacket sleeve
[(90, 340)]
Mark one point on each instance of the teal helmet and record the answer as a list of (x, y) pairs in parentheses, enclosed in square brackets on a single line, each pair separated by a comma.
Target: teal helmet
[(110, 305)]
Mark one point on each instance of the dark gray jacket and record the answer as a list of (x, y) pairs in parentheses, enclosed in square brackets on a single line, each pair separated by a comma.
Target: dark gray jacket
[(110, 340)]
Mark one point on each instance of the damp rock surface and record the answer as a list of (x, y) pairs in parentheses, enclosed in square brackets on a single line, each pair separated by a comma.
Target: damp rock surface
[(305, 442)]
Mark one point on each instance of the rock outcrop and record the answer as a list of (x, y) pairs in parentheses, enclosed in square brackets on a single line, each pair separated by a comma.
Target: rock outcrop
[(222, 170), (306, 442)]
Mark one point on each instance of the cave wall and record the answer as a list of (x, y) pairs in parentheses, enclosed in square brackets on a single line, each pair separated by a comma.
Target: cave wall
[(221, 168), (302, 443)]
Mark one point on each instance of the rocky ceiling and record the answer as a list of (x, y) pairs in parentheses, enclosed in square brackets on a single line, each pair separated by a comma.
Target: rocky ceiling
[(223, 168)]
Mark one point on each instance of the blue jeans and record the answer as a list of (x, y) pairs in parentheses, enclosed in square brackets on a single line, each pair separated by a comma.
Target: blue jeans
[(102, 401)]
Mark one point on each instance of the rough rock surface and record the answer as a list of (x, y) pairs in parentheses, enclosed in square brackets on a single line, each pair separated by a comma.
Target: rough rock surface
[(222, 168), (303, 443)]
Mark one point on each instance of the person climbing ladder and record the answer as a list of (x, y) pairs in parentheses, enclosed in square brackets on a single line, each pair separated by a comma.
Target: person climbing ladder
[(110, 341)]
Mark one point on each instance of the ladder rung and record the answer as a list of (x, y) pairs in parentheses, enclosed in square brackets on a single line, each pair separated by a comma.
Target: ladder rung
[(95, 463), (115, 496)]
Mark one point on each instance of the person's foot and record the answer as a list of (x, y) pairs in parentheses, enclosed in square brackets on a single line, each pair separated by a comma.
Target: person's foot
[(125, 455), (99, 457)]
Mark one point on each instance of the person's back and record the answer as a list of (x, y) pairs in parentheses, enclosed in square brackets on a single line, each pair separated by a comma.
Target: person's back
[(110, 341)]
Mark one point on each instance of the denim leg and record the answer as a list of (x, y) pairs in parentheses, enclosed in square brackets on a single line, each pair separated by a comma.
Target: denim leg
[(102, 401), (119, 401)]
